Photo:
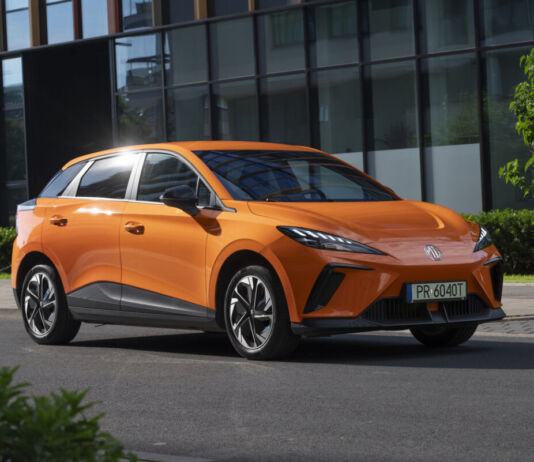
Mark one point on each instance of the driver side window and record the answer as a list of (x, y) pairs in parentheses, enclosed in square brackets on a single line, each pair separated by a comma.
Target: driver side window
[(164, 171)]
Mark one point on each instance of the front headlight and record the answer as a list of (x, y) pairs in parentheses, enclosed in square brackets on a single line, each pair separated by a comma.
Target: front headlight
[(325, 241), (484, 240)]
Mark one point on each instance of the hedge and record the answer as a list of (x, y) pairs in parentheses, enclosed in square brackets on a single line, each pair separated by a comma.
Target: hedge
[(512, 231), (7, 236)]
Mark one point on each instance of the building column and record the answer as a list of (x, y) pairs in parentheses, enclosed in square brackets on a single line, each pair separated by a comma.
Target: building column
[(2, 27), (157, 13), (201, 9), (36, 38), (114, 16), (77, 19), (251, 5)]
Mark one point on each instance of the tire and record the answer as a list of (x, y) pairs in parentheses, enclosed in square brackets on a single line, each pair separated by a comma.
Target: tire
[(44, 308), (443, 336), (258, 329)]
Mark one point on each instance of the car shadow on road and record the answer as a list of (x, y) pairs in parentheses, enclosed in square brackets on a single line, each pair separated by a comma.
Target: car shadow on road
[(355, 349)]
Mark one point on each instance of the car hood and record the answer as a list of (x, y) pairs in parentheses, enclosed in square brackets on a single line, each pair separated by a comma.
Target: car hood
[(387, 223)]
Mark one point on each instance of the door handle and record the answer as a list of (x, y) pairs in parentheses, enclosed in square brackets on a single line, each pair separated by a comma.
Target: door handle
[(134, 228), (58, 220)]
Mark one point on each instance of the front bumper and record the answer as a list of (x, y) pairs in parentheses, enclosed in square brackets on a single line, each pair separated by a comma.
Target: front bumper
[(393, 313)]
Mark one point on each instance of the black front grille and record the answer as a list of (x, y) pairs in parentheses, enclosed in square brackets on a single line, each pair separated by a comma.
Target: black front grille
[(396, 311), (462, 309)]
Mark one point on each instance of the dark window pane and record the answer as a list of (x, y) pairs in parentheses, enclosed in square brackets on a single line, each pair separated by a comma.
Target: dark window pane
[(336, 38), (281, 41), (186, 55), (236, 110), (162, 172), (502, 74), (61, 180), (338, 113), (188, 113), (11, 197), (232, 46), (136, 14), (138, 62), (452, 148), (224, 7), (94, 18), (505, 21), (59, 24), (290, 176), (16, 4), (446, 25), (107, 178), (140, 117), (265, 4), (393, 145), (390, 28), (285, 110), (176, 11), (17, 30)]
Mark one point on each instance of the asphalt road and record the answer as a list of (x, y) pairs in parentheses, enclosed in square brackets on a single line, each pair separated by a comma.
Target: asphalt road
[(347, 398)]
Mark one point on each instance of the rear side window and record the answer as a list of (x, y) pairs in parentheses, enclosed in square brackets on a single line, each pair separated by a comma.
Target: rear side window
[(61, 180), (107, 178)]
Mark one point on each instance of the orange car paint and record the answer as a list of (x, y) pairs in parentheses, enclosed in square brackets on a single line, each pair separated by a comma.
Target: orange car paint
[(187, 264)]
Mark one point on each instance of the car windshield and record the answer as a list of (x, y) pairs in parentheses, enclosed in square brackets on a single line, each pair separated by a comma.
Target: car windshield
[(291, 176)]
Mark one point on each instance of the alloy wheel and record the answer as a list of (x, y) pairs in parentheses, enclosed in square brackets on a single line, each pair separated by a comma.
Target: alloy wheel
[(40, 304)]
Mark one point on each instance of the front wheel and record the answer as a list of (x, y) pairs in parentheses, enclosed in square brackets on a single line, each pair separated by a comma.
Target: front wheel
[(443, 336), (44, 308), (256, 316)]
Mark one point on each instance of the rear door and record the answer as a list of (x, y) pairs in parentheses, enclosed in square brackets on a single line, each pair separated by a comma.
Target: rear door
[(81, 231), (163, 248)]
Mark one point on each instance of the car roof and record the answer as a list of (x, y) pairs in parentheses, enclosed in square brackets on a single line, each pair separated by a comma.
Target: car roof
[(196, 146)]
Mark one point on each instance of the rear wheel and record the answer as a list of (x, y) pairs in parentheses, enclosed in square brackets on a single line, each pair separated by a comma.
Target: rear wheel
[(443, 336), (44, 308), (256, 316)]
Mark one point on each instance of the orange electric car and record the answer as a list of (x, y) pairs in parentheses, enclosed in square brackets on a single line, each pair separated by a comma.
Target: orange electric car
[(268, 242)]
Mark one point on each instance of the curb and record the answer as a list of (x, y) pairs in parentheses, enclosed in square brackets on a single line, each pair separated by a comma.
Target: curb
[(152, 457)]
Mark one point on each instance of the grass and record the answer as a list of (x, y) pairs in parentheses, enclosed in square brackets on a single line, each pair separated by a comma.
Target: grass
[(519, 278), (5, 275)]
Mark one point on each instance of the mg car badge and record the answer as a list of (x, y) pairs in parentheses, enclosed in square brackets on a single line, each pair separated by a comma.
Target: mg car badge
[(433, 253)]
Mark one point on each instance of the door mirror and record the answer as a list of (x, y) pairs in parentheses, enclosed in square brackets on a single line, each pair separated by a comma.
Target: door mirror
[(182, 197)]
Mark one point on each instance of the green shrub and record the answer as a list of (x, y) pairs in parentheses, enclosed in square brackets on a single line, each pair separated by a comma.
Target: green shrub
[(51, 428), (512, 231), (7, 236)]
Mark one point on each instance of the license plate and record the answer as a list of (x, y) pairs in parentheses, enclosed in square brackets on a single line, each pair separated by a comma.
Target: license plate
[(436, 291)]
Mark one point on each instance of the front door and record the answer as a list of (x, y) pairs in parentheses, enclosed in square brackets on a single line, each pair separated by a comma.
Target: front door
[(162, 247)]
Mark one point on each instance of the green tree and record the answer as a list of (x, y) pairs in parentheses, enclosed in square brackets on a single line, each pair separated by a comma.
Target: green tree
[(523, 108)]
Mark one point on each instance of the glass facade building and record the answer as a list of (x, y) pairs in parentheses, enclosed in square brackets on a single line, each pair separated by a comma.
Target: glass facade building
[(414, 92)]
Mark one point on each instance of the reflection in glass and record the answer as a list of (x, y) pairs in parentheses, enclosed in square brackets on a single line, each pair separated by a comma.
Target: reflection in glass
[(232, 46), (18, 30), (59, 23), (236, 110), (188, 113), (136, 14), (285, 113), (336, 29), (452, 148), (502, 74), (338, 111), (140, 117), (224, 7), (394, 153), (281, 41), (390, 28), (266, 4), (16, 4), (138, 61), (12, 195), (446, 25), (177, 11), (94, 18), (186, 55), (506, 21)]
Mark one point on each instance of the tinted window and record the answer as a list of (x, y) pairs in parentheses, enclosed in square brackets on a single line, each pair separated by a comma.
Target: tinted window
[(164, 171), (107, 178), (61, 180), (288, 176)]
